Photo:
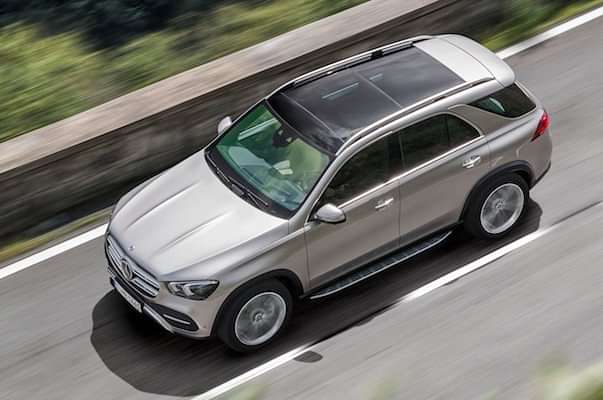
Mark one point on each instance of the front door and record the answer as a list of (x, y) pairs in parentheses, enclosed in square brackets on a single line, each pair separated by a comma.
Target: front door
[(363, 189)]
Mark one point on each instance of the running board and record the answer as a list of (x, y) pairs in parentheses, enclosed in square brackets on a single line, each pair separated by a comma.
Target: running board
[(380, 265)]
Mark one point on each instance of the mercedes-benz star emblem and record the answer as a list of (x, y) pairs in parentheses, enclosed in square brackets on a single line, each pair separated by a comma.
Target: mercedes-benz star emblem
[(126, 269), (131, 248)]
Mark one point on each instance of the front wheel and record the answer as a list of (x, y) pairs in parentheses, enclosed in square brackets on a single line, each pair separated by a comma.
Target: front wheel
[(497, 207), (256, 316)]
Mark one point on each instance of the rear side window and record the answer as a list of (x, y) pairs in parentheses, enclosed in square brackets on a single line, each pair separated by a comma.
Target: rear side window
[(424, 141), (433, 137), (510, 102)]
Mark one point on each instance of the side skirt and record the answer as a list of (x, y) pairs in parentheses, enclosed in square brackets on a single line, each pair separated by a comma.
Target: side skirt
[(378, 266)]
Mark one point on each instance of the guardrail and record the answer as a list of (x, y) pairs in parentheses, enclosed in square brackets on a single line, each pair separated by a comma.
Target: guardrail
[(105, 149)]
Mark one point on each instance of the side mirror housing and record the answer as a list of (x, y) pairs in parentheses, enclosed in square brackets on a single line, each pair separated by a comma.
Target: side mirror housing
[(330, 214), (224, 124)]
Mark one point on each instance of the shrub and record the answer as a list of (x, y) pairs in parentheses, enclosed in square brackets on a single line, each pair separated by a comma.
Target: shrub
[(44, 79), (564, 384)]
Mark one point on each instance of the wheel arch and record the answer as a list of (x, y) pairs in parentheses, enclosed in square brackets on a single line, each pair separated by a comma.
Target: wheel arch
[(521, 168), (287, 277)]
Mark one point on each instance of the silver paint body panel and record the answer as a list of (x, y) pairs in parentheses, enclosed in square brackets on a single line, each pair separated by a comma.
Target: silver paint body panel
[(185, 224)]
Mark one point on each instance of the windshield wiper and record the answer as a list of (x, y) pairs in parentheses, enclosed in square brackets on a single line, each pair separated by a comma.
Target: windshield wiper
[(221, 174), (241, 190), (237, 187)]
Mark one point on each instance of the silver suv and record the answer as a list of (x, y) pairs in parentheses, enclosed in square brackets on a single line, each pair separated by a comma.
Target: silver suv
[(334, 177)]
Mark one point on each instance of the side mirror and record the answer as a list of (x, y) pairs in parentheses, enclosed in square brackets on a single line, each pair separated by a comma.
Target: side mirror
[(224, 124), (330, 214)]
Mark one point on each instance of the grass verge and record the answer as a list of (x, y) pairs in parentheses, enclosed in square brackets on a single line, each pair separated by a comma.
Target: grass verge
[(26, 243), (529, 21)]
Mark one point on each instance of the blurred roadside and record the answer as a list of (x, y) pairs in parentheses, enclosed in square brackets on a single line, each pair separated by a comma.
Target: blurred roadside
[(48, 82), (63, 57), (556, 381)]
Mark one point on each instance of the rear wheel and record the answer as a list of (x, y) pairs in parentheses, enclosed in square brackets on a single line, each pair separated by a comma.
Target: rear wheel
[(497, 207), (256, 316)]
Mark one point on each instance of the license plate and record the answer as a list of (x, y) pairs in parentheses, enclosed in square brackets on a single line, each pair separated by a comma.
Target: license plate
[(131, 300)]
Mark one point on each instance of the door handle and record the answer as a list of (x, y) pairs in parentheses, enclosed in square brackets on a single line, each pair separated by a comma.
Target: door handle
[(383, 204), (472, 162)]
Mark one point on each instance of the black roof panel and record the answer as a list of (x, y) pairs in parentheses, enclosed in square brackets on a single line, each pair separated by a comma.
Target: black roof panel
[(343, 103), (409, 76)]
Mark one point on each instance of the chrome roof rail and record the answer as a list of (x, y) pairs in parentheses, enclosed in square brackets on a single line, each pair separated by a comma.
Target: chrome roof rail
[(410, 109), (355, 60)]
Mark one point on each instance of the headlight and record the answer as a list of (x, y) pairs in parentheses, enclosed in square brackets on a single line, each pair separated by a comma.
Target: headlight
[(197, 290)]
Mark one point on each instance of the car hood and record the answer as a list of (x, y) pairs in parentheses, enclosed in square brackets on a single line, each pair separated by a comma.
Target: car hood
[(186, 217)]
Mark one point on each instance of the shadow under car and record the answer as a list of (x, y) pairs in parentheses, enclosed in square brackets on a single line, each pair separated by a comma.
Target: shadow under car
[(141, 353)]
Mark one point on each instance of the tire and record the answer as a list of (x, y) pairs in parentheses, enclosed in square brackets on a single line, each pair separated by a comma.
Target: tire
[(252, 320), (497, 207)]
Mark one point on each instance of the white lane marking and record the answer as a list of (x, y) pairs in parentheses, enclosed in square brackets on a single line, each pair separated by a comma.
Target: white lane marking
[(253, 373), (551, 33), (451, 277), (489, 258), (415, 294), (475, 265), (52, 251)]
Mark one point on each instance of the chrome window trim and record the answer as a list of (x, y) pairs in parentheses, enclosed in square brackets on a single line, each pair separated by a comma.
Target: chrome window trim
[(404, 173), (410, 171)]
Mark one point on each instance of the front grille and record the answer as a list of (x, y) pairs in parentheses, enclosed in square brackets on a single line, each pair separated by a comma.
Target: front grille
[(140, 280)]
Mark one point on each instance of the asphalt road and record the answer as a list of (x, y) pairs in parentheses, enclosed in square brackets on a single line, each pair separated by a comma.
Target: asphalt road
[(65, 335)]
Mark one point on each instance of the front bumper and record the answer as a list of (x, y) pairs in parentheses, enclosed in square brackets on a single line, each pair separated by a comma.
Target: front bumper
[(169, 319), (175, 315)]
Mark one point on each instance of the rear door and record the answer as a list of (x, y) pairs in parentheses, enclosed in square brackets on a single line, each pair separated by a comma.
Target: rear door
[(444, 157), (364, 190)]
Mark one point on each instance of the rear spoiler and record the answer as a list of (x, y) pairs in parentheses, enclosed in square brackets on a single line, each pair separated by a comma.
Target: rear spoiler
[(500, 70)]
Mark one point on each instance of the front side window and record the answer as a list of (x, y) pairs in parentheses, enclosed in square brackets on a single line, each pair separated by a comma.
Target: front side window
[(511, 102), (369, 168), (271, 158), (433, 137)]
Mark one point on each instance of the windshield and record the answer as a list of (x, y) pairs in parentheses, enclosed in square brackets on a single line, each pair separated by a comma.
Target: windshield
[(272, 158)]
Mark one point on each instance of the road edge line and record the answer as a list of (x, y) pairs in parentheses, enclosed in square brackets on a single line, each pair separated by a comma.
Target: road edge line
[(53, 251)]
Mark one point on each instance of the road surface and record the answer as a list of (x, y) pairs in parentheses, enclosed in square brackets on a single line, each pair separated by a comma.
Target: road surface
[(65, 335)]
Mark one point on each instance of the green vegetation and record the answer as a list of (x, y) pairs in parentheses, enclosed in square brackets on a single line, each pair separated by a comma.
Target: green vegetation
[(61, 57), (557, 382), (52, 70), (562, 383), (530, 17), (27, 242)]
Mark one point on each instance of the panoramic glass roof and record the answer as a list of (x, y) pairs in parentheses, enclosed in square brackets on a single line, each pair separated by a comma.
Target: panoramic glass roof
[(331, 109)]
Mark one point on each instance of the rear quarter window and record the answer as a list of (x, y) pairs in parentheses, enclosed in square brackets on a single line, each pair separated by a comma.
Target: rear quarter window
[(511, 102)]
